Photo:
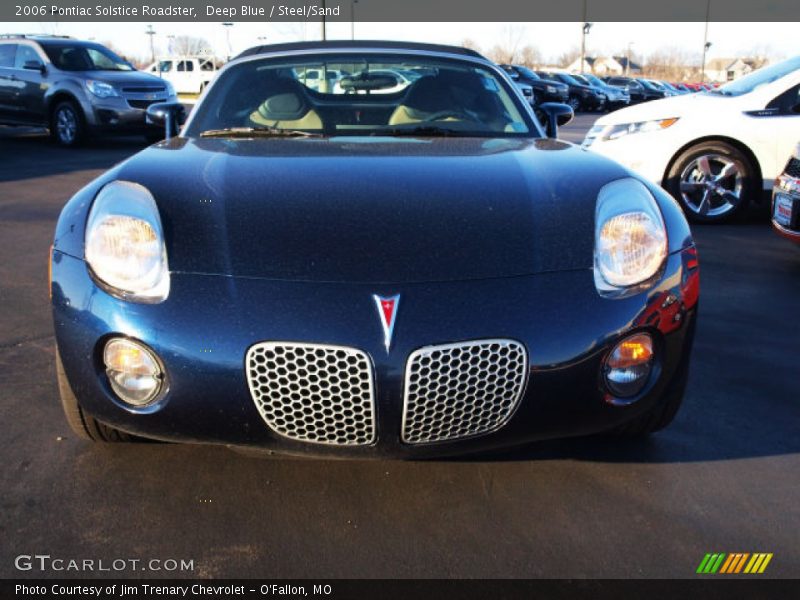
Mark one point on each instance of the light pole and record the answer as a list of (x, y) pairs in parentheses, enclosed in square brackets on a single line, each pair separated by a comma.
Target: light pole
[(706, 44), (353, 19), (706, 47), (628, 60), (322, 24), (151, 32), (171, 44), (227, 27), (586, 28)]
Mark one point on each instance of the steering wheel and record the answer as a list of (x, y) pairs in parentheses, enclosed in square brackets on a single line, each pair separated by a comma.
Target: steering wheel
[(445, 114)]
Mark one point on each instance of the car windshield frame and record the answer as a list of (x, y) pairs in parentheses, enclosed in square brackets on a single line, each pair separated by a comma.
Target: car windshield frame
[(506, 98), (757, 79)]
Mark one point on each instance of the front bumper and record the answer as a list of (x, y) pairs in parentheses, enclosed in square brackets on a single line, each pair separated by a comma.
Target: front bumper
[(203, 330), (788, 187), (123, 115)]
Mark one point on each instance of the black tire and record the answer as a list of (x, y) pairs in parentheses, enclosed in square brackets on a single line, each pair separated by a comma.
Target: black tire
[(574, 103), (67, 124), (83, 425), (720, 206)]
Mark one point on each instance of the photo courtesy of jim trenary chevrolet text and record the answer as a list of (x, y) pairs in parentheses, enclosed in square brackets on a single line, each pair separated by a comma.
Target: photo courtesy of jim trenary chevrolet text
[(348, 299)]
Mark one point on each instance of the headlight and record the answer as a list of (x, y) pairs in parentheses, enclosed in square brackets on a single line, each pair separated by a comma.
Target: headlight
[(101, 89), (170, 88), (125, 243), (550, 89), (630, 237), (133, 371), (613, 132)]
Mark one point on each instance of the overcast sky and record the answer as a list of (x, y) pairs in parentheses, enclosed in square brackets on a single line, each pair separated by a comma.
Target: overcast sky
[(777, 40)]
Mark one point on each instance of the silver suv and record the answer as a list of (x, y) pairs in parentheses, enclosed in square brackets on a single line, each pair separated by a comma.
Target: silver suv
[(75, 88)]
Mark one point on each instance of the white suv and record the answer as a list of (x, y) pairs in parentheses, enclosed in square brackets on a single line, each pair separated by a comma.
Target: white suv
[(187, 74), (713, 151)]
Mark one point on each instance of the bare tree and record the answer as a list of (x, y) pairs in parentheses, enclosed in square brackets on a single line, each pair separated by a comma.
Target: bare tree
[(570, 56), (530, 56), (471, 44), (508, 48), (671, 63), (187, 45)]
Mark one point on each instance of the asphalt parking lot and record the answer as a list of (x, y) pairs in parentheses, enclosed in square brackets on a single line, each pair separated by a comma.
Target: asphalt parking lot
[(722, 478)]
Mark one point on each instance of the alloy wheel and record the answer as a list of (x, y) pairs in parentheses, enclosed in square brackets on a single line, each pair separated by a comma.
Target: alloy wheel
[(66, 125), (711, 185)]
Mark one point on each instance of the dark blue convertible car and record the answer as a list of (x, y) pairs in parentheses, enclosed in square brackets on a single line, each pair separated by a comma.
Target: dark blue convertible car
[(369, 249)]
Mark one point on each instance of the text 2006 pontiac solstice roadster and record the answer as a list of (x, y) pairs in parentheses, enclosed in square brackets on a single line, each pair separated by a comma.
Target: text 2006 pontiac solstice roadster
[(369, 249)]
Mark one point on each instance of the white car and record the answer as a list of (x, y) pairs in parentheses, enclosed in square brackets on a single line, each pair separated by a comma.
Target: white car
[(713, 151), (187, 74)]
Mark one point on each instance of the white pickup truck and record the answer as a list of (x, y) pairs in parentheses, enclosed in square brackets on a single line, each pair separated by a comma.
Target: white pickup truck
[(187, 74)]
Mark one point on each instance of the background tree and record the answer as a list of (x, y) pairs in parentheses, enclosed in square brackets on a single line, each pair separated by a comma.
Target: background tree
[(187, 45)]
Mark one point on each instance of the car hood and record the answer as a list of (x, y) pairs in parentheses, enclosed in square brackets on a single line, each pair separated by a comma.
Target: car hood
[(124, 77), (374, 209), (667, 108)]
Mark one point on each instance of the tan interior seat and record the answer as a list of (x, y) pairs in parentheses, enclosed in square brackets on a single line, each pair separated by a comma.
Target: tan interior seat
[(287, 108), (425, 97)]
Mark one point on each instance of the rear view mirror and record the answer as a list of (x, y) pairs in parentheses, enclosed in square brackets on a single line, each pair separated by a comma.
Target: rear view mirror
[(34, 65), (169, 114), (557, 115), (368, 82)]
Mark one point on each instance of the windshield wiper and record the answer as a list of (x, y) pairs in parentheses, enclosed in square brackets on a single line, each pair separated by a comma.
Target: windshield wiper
[(422, 130), (251, 132)]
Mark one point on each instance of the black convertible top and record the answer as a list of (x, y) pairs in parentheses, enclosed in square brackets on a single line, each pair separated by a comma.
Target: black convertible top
[(318, 45)]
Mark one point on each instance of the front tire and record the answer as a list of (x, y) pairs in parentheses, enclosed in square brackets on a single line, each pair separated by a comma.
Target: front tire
[(574, 103), (713, 181), (83, 425), (67, 125)]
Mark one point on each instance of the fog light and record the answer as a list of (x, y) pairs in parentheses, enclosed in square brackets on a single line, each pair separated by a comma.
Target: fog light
[(133, 371), (628, 366)]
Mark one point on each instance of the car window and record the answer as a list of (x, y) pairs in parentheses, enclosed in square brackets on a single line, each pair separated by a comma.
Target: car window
[(788, 102), (7, 52), (24, 54), (206, 65), (165, 66), (528, 73), (83, 57), (185, 65), (364, 94)]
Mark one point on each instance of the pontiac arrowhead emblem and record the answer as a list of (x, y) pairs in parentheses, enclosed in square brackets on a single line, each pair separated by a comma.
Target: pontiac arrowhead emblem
[(387, 310)]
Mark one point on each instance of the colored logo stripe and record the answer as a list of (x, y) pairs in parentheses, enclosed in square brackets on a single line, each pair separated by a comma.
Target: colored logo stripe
[(758, 563), (735, 562)]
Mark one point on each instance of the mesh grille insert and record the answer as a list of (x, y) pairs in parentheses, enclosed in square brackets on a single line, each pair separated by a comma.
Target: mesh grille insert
[(313, 393), (462, 390)]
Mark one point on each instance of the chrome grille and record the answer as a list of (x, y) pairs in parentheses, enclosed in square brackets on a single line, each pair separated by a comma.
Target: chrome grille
[(313, 393), (462, 390)]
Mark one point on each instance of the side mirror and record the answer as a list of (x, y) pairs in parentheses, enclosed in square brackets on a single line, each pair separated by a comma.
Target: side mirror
[(169, 114), (34, 65), (557, 114)]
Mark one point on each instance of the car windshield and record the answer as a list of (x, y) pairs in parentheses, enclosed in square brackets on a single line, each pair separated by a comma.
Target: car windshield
[(82, 57), (566, 78), (581, 79), (593, 79), (756, 79), (526, 72), (361, 94)]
